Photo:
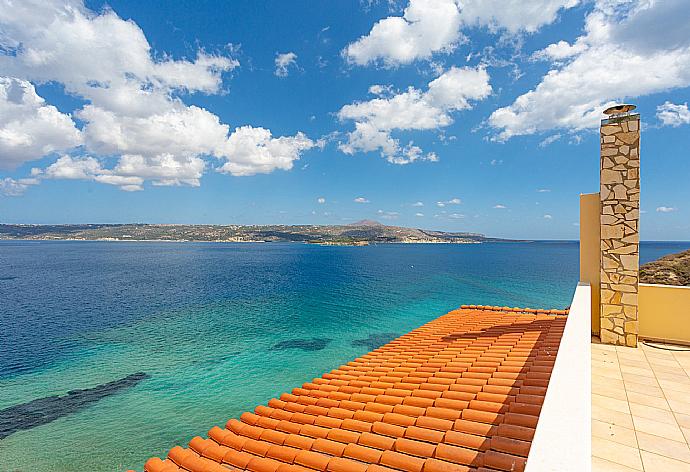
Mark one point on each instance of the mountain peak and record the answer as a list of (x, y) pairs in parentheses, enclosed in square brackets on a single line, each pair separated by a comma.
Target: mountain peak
[(366, 223)]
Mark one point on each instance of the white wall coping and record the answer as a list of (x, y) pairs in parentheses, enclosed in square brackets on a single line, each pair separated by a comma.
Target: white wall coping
[(666, 286), (563, 438)]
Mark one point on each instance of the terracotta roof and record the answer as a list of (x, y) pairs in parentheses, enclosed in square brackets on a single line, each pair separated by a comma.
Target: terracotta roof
[(461, 393)]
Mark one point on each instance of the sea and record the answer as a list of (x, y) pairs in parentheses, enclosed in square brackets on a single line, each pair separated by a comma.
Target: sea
[(113, 352)]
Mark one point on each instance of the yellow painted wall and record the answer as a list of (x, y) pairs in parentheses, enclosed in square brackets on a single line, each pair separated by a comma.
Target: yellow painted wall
[(590, 250), (664, 313)]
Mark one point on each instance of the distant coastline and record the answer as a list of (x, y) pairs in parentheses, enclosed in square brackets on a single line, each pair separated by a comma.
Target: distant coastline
[(361, 233)]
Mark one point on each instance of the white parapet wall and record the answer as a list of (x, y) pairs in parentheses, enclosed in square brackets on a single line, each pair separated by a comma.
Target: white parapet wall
[(563, 438)]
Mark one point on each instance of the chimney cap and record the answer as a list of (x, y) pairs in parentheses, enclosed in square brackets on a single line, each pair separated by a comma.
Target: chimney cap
[(619, 109)]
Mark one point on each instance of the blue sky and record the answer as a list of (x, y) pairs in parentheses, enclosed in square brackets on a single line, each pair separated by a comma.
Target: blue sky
[(442, 114)]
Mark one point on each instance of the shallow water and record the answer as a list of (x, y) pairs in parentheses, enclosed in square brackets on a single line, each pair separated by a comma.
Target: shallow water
[(210, 330)]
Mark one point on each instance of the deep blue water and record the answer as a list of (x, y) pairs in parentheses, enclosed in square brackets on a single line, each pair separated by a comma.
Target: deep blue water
[(214, 329)]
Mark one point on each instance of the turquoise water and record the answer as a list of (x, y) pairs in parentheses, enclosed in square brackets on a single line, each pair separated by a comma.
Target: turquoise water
[(214, 329)]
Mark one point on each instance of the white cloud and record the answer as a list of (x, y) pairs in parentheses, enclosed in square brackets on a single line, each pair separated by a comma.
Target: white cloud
[(361, 200), (89, 168), (548, 217), (321, 200), (559, 51), (250, 151), (629, 49), (499, 207), (29, 128), (543, 190), (452, 201), (513, 15), (549, 140), (283, 63), (10, 187), (413, 109), (496, 162), (133, 107), (428, 27), (665, 209), (673, 115), (456, 216), (419, 215), (418, 204)]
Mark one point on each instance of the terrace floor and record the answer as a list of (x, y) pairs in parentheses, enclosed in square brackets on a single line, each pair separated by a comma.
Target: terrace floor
[(640, 409)]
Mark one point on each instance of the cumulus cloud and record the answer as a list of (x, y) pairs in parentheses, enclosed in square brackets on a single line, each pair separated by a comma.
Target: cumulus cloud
[(29, 128), (548, 217), (673, 115), (543, 190), (513, 15), (321, 200), (412, 110), (426, 27), (418, 204), (499, 207), (250, 151), (429, 27), (361, 200), (419, 215), (629, 49), (665, 209), (284, 62), (133, 102)]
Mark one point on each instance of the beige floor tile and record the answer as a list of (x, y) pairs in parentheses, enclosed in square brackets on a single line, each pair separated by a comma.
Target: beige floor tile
[(615, 452), (657, 428), (637, 371), (671, 385), (607, 373), (610, 403), (614, 391), (686, 433), (612, 416), (602, 465), (656, 463), (664, 447), (603, 347), (676, 395), (683, 420), (656, 414), (651, 352), (599, 380), (665, 362), (649, 400), (675, 369), (641, 379), (675, 377), (679, 406), (652, 390), (630, 354), (612, 432)]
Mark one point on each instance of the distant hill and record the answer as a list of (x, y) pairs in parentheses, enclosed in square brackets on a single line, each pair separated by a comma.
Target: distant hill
[(673, 269), (366, 223), (360, 233)]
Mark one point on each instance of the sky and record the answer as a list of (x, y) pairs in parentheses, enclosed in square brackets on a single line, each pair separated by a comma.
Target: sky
[(457, 115)]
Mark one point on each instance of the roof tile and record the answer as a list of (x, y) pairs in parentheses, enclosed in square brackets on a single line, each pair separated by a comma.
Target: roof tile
[(461, 393)]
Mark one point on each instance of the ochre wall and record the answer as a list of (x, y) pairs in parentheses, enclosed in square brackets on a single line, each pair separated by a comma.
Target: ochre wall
[(664, 313), (590, 253)]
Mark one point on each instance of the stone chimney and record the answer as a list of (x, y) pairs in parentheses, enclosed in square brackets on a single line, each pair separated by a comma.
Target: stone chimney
[(620, 214)]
